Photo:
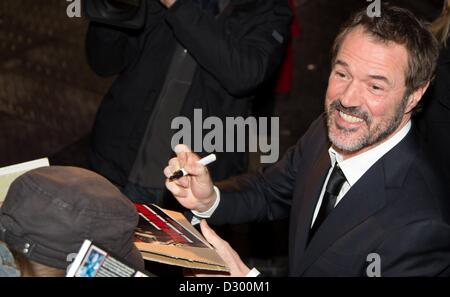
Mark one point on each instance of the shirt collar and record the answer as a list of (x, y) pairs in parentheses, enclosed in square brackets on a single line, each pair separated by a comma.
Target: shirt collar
[(355, 167)]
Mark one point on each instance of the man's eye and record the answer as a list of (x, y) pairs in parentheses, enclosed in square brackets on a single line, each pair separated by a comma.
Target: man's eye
[(340, 74), (376, 88)]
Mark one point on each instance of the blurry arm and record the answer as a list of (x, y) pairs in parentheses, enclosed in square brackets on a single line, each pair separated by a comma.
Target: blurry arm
[(259, 197), (111, 49), (239, 63)]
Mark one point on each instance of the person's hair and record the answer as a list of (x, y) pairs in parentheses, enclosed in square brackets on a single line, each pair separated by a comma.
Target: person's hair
[(441, 26), (400, 26), (30, 268)]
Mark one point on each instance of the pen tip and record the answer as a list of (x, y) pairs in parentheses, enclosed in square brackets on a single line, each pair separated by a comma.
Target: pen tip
[(176, 175)]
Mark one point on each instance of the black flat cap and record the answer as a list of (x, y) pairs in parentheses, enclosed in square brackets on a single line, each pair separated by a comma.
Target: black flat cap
[(48, 213)]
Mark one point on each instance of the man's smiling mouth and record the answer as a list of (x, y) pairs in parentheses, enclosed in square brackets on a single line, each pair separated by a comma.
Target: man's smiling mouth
[(350, 118)]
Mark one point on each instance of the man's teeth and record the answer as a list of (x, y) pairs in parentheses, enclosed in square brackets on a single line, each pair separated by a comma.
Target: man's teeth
[(349, 118)]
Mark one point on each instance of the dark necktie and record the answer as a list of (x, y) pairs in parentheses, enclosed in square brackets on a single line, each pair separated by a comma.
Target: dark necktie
[(334, 185)]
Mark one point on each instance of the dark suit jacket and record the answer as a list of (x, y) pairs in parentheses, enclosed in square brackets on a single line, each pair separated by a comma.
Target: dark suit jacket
[(397, 210)]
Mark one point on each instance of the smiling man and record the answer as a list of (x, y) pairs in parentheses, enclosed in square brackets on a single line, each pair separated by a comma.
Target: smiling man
[(362, 198), (367, 99)]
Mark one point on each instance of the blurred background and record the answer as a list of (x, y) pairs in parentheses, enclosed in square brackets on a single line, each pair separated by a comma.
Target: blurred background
[(49, 95)]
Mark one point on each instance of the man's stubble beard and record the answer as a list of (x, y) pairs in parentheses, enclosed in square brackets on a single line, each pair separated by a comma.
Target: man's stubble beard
[(371, 136)]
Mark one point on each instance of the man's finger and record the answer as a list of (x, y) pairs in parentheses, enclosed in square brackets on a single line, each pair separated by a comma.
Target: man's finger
[(167, 172), (176, 190), (194, 168), (182, 159), (210, 235), (181, 148), (183, 182), (174, 164)]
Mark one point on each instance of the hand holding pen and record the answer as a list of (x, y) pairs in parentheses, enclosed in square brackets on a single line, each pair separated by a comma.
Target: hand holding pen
[(182, 172), (189, 181)]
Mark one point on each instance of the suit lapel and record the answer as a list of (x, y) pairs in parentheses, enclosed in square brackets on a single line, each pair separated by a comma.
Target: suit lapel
[(365, 198), (302, 221)]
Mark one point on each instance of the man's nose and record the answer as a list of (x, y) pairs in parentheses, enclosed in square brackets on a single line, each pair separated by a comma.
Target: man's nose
[(351, 96)]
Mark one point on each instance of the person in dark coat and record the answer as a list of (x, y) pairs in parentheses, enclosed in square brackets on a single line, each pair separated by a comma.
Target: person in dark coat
[(236, 46)]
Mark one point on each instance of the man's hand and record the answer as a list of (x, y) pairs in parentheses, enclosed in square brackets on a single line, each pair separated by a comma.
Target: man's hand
[(195, 191), (167, 3), (226, 252)]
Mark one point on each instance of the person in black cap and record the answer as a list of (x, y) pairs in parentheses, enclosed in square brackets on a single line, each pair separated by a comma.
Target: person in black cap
[(49, 212)]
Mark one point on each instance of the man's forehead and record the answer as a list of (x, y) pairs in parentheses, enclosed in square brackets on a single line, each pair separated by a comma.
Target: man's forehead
[(360, 47), (364, 42)]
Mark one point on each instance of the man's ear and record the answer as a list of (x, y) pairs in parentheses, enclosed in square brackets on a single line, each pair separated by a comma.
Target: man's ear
[(416, 96)]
